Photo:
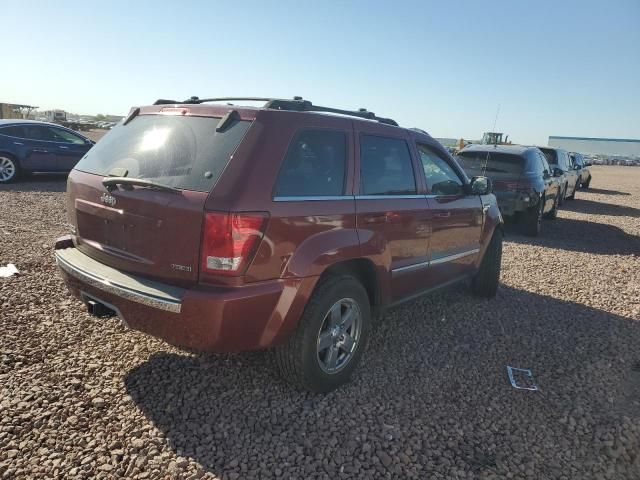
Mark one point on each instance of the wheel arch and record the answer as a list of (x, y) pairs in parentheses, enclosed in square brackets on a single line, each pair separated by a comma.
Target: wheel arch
[(364, 270)]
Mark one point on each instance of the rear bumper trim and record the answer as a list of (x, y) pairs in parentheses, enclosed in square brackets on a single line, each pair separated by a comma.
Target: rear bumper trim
[(102, 283)]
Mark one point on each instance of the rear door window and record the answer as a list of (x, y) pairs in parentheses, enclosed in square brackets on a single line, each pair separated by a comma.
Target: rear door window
[(179, 151), (314, 165), (385, 166), (441, 178)]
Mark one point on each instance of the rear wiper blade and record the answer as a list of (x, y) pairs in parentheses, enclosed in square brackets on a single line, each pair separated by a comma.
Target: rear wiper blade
[(111, 182)]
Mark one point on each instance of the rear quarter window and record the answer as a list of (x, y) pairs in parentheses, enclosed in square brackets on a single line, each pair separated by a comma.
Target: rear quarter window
[(314, 165), (179, 151)]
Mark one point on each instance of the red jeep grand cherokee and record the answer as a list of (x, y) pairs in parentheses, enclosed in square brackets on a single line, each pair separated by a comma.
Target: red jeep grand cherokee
[(223, 228)]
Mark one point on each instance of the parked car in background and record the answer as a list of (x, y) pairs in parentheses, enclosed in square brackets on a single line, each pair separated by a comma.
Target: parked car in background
[(229, 228), (581, 166), (28, 146), (559, 158), (526, 186)]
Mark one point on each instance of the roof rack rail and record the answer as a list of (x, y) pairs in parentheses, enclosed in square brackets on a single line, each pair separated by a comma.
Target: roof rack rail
[(416, 129), (297, 104)]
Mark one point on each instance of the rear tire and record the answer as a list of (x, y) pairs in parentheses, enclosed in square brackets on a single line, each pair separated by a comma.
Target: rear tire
[(532, 219), (9, 169), (553, 213), (485, 282), (573, 194), (311, 358), (585, 185)]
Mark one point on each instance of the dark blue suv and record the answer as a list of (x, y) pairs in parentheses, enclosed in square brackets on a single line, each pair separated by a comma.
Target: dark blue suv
[(28, 146)]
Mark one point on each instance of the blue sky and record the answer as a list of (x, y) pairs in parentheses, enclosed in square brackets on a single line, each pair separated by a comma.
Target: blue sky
[(555, 68)]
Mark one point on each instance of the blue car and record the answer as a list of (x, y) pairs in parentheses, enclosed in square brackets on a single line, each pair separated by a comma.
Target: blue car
[(28, 146)]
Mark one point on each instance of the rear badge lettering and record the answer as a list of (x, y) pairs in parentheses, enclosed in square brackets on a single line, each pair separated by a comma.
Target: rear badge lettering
[(181, 268), (108, 199)]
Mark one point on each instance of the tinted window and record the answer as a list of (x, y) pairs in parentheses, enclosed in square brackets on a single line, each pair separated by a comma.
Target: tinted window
[(314, 165), (545, 164), (182, 152), (551, 156), (441, 178), (36, 132), (491, 163), (385, 167), (15, 131)]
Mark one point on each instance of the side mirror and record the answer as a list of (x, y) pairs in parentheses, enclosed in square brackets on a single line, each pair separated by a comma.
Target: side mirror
[(481, 186), (557, 172)]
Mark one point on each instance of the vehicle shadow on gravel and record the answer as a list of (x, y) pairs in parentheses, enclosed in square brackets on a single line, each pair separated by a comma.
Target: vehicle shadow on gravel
[(38, 183), (600, 208), (579, 236), (431, 395), (604, 191)]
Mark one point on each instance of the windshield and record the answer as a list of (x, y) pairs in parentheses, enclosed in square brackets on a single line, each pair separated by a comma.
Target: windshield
[(178, 151), (496, 163)]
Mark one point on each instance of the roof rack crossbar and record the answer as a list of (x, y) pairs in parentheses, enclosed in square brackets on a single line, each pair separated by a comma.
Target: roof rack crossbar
[(297, 104)]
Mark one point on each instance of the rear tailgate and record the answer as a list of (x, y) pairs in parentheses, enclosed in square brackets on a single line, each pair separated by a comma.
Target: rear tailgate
[(149, 232), (141, 230)]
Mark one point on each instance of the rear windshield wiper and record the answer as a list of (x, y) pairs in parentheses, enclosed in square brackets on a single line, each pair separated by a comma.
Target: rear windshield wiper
[(112, 182)]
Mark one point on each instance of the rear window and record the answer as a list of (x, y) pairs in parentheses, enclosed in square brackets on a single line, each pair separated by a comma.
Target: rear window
[(474, 163), (182, 152)]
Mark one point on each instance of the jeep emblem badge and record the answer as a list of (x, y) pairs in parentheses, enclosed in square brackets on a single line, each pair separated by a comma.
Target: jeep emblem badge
[(108, 199)]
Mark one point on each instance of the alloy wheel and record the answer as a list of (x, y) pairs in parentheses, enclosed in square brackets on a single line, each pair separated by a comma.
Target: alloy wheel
[(7, 169), (339, 335)]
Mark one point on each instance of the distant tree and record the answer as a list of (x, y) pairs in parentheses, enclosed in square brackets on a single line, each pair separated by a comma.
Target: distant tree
[(100, 117)]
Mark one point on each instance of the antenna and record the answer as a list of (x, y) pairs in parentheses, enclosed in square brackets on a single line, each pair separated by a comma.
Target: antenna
[(493, 130)]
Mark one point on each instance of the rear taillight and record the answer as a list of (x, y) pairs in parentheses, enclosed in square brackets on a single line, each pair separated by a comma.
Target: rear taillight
[(229, 241)]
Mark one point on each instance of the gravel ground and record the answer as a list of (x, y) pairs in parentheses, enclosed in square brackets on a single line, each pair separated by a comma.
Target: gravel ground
[(86, 398)]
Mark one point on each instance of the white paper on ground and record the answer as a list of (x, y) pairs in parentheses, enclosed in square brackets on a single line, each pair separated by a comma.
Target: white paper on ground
[(9, 270)]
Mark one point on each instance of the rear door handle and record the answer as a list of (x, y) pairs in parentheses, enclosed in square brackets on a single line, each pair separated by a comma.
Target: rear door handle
[(62, 146), (18, 143), (442, 214), (41, 150)]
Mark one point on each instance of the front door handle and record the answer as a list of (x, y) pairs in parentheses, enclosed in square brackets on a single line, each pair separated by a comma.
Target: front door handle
[(62, 146), (41, 150), (387, 217), (442, 214)]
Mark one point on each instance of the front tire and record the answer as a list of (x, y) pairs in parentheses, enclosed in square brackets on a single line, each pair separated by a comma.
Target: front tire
[(331, 336), (585, 185), (9, 169), (485, 282)]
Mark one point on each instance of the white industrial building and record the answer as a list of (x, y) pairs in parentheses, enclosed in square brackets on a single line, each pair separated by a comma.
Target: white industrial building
[(622, 147)]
